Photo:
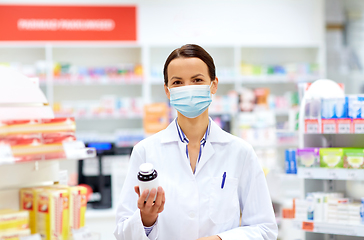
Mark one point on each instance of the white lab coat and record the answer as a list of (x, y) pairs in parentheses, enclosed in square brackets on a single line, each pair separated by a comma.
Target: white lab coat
[(196, 205)]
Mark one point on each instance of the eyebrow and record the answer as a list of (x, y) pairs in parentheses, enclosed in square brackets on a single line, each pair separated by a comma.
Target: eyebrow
[(194, 76)]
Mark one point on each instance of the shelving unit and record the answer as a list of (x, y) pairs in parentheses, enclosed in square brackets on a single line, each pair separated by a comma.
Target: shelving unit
[(325, 179), (329, 228)]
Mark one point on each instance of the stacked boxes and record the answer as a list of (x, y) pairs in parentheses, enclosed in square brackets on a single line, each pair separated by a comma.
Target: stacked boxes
[(336, 115), (13, 224), (308, 157), (332, 157), (37, 139), (54, 210), (349, 158)]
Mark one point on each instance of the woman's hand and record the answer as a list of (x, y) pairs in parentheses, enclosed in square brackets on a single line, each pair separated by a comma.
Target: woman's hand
[(149, 211), (215, 237)]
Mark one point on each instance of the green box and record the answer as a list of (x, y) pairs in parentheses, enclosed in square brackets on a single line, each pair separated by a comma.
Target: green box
[(354, 158), (332, 157)]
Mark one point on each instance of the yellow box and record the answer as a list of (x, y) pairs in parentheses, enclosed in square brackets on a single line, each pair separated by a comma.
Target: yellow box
[(53, 214), (29, 203), (78, 205), (14, 234), (11, 219)]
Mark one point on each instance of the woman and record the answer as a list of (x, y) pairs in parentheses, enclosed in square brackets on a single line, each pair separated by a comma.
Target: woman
[(207, 176)]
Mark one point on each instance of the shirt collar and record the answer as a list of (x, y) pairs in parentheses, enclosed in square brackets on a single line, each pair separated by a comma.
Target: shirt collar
[(183, 138), (215, 134)]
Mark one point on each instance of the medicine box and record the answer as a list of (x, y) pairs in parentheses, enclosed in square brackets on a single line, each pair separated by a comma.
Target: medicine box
[(332, 157), (354, 158), (308, 157)]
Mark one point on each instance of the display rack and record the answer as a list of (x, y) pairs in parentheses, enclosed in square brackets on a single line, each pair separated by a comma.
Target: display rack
[(324, 179), (329, 228), (21, 99)]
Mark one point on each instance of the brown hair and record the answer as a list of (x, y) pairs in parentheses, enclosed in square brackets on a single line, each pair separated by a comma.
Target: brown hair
[(190, 51)]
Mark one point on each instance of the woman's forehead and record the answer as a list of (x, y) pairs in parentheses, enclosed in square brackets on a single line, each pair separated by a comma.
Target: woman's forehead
[(187, 66)]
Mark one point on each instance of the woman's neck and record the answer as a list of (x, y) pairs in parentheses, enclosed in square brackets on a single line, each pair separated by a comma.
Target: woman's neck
[(194, 128)]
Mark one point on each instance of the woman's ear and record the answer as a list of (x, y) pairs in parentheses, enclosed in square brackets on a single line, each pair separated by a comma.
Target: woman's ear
[(167, 91), (215, 83)]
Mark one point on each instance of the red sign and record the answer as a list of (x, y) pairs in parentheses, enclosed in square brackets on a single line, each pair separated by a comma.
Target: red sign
[(67, 23)]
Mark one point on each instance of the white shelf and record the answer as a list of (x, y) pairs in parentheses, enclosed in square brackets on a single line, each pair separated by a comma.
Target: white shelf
[(100, 213), (104, 117), (331, 174), (276, 79), (333, 228), (102, 81)]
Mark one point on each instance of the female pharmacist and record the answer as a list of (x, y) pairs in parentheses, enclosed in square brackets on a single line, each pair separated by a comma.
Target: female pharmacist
[(207, 176)]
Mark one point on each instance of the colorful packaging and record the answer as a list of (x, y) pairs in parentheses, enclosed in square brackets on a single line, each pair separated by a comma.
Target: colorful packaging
[(29, 203), (308, 157), (13, 220), (354, 158), (53, 214), (290, 161), (332, 157), (14, 234), (78, 203)]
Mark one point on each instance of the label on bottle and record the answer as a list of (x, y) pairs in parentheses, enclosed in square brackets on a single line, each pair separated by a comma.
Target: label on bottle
[(312, 126)]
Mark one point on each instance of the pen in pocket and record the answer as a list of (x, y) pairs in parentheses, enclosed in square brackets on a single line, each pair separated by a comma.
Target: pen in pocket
[(223, 180)]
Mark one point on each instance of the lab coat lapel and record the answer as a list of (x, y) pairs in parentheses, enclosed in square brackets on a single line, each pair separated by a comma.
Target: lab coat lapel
[(207, 153)]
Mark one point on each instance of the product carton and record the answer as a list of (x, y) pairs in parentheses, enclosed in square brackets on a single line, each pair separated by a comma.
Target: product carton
[(78, 203), (29, 203), (53, 214), (354, 158), (308, 157), (14, 234), (12, 220), (332, 157)]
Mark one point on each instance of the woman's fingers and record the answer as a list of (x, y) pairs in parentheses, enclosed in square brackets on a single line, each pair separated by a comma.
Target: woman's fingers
[(137, 191), (161, 207), (150, 205), (142, 198), (150, 201)]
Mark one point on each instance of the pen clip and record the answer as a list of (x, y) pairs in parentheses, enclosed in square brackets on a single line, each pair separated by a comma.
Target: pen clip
[(223, 180)]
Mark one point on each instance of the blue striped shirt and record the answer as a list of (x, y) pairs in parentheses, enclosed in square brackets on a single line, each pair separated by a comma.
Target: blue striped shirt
[(185, 140)]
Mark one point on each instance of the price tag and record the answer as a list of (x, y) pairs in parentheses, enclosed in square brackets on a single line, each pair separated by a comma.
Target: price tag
[(352, 174), (6, 155), (311, 126), (333, 174), (344, 128), (307, 226), (31, 237), (329, 128), (359, 128), (82, 234), (307, 173)]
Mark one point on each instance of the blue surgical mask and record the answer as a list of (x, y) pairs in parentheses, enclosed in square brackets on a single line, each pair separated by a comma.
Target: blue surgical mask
[(191, 100)]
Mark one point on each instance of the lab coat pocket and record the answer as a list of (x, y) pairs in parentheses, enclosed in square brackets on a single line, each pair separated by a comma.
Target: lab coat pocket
[(224, 202)]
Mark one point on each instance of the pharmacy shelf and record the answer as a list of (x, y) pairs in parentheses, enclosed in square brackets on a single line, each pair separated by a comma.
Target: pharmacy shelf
[(276, 79), (331, 174), (100, 213), (279, 79), (329, 228), (96, 81), (104, 117)]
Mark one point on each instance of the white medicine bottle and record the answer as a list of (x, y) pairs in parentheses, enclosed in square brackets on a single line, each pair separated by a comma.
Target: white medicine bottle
[(148, 178)]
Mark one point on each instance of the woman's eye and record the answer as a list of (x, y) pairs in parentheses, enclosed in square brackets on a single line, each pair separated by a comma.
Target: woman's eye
[(198, 80), (176, 82)]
